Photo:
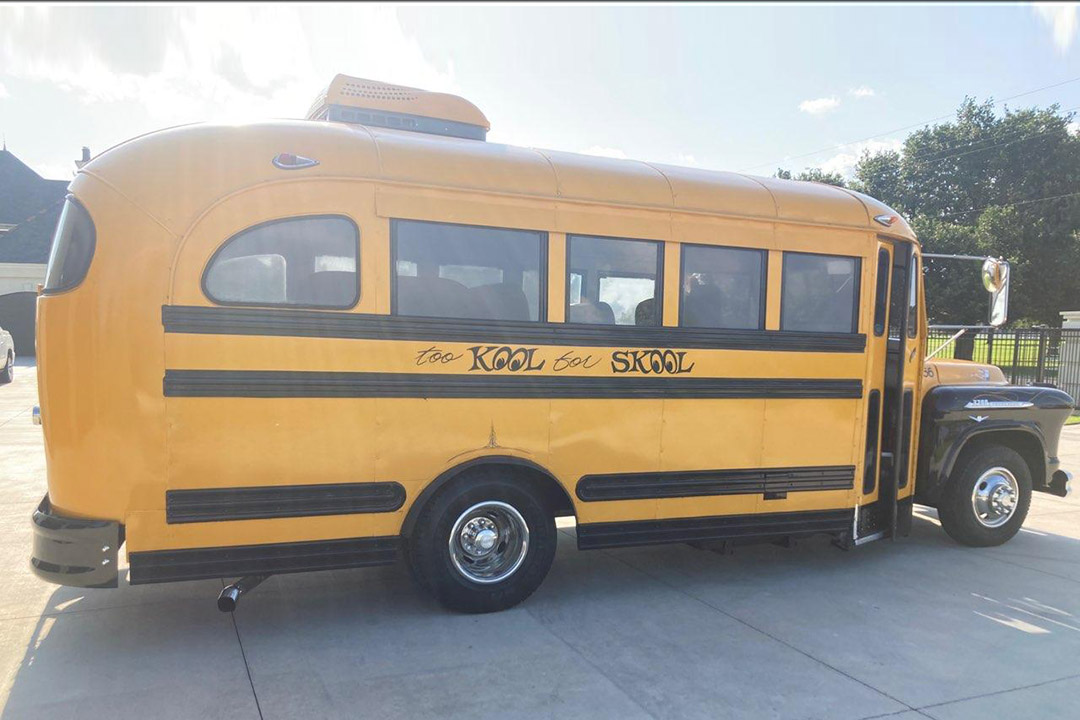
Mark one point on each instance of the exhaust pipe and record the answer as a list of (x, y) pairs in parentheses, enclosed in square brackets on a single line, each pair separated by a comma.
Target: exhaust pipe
[(231, 594)]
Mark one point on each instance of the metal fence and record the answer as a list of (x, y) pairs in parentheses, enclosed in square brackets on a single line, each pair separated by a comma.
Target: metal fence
[(1027, 356)]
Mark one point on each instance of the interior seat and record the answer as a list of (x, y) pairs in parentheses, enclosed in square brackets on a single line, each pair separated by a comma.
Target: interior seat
[(336, 288), (432, 297), (645, 313), (499, 301), (592, 313)]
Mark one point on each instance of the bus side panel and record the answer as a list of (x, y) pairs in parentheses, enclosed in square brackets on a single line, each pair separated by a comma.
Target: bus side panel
[(606, 436), (823, 432), (811, 433), (711, 435), (420, 438), (100, 365), (241, 442)]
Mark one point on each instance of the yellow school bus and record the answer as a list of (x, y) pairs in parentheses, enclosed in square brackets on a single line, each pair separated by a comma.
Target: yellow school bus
[(372, 335)]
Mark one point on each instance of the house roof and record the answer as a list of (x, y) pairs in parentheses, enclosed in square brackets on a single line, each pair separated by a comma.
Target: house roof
[(23, 192), (31, 240), (32, 204)]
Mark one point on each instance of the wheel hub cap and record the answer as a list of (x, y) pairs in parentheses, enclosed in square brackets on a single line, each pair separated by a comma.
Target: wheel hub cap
[(489, 542), (485, 540), (994, 497), (479, 536)]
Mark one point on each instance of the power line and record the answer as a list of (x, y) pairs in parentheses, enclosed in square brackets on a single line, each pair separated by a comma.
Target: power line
[(939, 158), (906, 127), (1015, 136), (1007, 204), (931, 157)]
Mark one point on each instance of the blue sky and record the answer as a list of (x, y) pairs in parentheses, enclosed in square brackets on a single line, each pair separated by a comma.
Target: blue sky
[(725, 87)]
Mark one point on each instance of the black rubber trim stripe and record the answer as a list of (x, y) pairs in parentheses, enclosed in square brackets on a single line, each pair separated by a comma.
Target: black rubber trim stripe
[(269, 559), (280, 501), (296, 384), (723, 527), (357, 326), (905, 442), (638, 486)]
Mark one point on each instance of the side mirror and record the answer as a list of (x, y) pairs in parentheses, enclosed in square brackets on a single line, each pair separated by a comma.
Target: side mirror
[(995, 277)]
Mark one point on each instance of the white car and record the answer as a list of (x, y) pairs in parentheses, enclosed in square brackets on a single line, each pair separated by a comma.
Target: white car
[(7, 357)]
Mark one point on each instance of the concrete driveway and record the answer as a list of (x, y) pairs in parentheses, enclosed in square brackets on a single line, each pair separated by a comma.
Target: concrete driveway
[(917, 628)]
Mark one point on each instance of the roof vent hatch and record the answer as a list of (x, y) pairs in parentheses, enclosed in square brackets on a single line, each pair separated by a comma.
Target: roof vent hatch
[(377, 104)]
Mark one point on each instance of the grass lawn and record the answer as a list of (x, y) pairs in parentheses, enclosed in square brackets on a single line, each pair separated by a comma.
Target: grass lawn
[(1027, 359), (1003, 349), (1073, 420)]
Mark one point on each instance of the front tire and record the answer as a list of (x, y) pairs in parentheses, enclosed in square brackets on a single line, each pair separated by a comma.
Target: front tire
[(987, 498), (483, 543), (8, 373)]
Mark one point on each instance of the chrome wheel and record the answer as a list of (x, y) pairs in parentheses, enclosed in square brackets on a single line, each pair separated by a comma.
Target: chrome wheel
[(489, 542), (994, 497)]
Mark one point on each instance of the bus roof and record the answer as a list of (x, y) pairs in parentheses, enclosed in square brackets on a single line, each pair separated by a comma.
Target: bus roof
[(176, 174)]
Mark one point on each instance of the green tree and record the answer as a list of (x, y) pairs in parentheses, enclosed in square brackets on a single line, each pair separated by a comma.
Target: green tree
[(879, 176), (813, 175), (997, 184)]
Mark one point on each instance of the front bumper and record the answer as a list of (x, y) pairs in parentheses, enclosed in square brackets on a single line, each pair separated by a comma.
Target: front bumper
[(1060, 484), (73, 551)]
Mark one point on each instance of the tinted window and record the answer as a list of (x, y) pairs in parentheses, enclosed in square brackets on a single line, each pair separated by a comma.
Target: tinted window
[(72, 248), (613, 282), (913, 299), (820, 293), (905, 440), (881, 301), (722, 287), (897, 300), (306, 261), (461, 271)]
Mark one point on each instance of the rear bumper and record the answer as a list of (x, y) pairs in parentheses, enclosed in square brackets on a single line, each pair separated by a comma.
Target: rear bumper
[(74, 551)]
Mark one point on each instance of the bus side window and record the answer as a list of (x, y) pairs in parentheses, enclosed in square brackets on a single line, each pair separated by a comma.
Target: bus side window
[(72, 248), (723, 287), (613, 282), (463, 271), (913, 299), (820, 293), (301, 261), (881, 301)]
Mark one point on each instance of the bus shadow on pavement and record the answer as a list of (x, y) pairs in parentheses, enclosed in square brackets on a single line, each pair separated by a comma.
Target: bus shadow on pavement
[(134, 650)]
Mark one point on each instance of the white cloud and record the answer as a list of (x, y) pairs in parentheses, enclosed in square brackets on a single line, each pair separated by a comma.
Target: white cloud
[(211, 62), (4, 92), (686, 160), (844, 162), (608, 152), (1063, 19), (862, 92), (819, 106)]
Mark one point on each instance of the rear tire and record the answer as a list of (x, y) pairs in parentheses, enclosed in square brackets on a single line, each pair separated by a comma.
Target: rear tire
[(8, 373), (483, 543), (987, 498)]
